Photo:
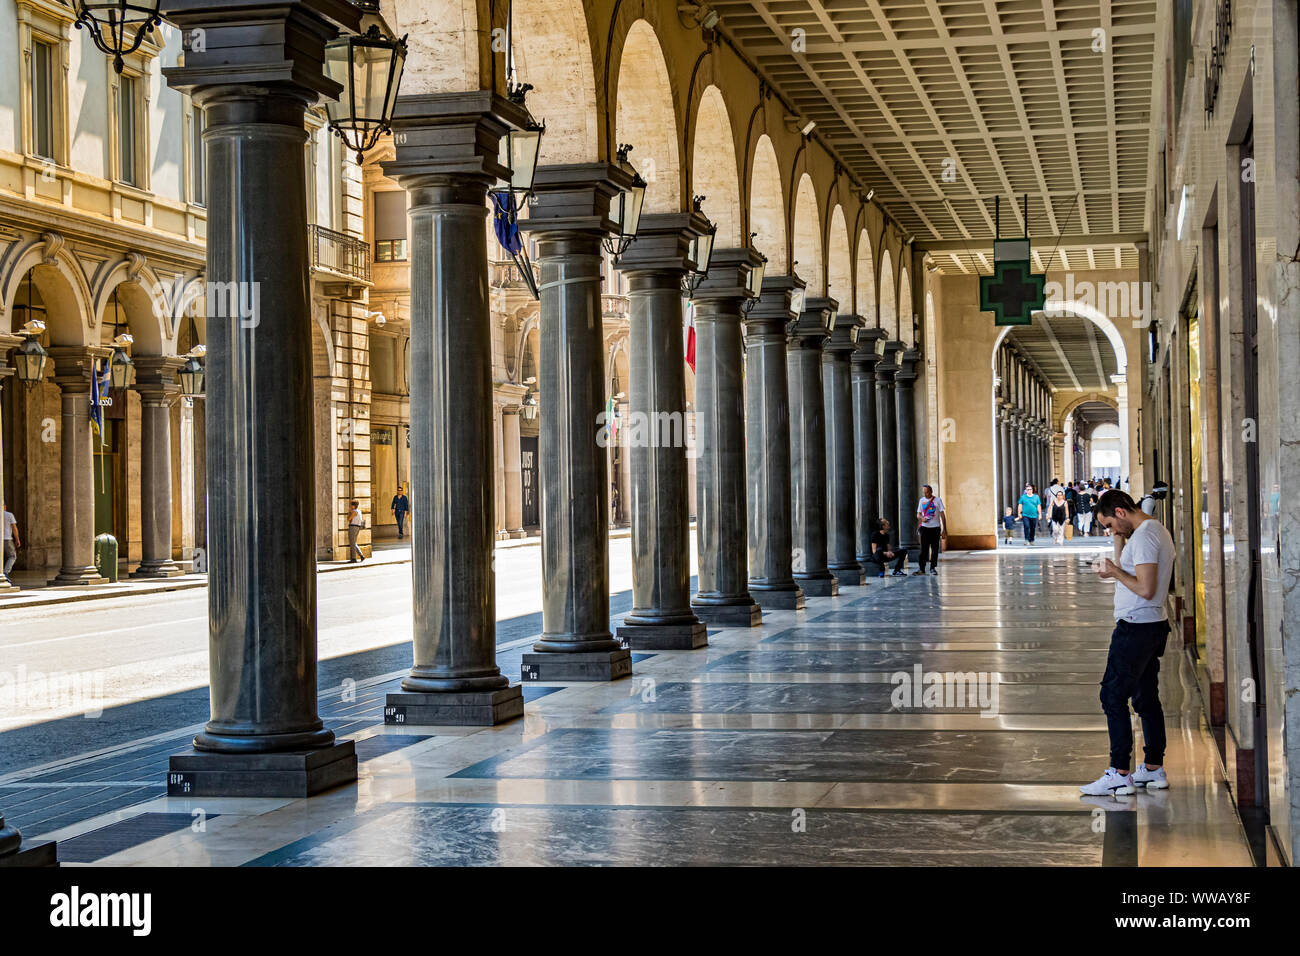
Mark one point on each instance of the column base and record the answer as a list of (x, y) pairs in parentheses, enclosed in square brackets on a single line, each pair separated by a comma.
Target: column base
[(577, 665), (7, 586), (42, 853), (729, 615), (161, 569), (783, 599), (819, 587), (78, 577), (850, 577), (520, 533), (288, 773), (475, 708), (663, 637)]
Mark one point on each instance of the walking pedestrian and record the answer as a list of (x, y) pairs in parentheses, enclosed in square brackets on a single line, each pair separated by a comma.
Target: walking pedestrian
[(401, 505), (1059, 516), (932, 523), (1085, 504), (356, 524), (1027, 512), (1144, 557), (12, 539)]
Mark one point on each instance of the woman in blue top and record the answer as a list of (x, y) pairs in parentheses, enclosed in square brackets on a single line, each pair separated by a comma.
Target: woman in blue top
[(1028, 512)]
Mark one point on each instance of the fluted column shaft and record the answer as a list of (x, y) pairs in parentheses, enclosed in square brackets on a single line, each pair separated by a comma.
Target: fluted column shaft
[(767, 446), (808, 448), (841, 496)]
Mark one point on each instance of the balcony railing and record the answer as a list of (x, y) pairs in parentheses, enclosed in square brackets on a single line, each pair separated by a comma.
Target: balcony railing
[(504, 274), (339, 253)]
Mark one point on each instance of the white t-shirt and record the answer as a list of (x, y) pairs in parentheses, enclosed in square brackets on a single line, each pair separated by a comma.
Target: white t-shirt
[(10, 521), (929, 512), (1150, 544)]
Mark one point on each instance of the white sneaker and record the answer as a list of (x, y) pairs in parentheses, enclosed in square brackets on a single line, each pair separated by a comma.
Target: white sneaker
[(1151, 779), (1109, 783)]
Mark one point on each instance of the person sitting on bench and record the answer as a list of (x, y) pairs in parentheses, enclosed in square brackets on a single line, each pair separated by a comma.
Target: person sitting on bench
[(880, 551)]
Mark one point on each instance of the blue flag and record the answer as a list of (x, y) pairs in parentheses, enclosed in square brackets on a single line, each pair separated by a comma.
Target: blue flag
[(98, 389), (505, 219)]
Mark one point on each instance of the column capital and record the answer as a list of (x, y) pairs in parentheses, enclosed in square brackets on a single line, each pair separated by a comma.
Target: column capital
[(812, 327), (452, 136), (907, 372), (728, 276), (73, 365), (575, 198), (869, 350), (845, 329), (276, 44), (7, 342), (155, 377), (663, 243), (774, 310)]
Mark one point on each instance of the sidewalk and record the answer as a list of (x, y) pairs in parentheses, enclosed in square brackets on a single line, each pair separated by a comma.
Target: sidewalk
[(383, 553)]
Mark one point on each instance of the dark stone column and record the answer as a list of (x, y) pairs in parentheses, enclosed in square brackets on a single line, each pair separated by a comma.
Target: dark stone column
[(841, 498), (908, 483), (767, 446), (808, 447), (723, 595), (865, 443), (155, 380), (7, 342), (265, 737), (569, 220), (887, 438), (655, 265), (446, 158), (73, 367), (1005, 484)]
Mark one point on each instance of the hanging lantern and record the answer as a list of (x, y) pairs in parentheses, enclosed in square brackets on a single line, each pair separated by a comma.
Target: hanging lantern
[(754, 284), (119, 366), (529, 408), (520, 148), (701, 251), (29, 361), (118, 27), (626, 208), (191, 377), (368, 65)]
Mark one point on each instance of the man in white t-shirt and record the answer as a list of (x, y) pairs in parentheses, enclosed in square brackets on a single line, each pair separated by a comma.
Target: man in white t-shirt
[(932, 523), (1144, 558), (12, 541)]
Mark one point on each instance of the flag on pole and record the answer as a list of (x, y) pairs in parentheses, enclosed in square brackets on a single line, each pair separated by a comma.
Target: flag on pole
[(98, 389), (690, 335), (505, 221), (611, 422)]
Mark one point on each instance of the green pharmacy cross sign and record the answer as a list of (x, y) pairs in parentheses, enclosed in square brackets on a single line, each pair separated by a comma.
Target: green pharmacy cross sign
[(1012, 293)]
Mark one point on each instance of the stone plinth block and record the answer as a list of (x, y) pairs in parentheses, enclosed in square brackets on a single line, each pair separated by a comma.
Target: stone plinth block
[(579, 665), (484, 708), (784, 600), (849, 577), (42, 853), (729, 615), (290, 773), (820, 587), (663, 637)]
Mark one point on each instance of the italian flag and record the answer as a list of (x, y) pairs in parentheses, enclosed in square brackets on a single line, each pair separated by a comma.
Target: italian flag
[(690, 335)]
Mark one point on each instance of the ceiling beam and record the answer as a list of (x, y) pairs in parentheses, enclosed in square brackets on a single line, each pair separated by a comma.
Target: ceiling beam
[(1098, 240)]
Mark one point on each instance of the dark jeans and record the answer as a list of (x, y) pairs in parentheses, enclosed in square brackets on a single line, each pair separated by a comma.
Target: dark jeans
[(877, 560), (1133, 671), (930, 547), (1030, 525), (401, 522)]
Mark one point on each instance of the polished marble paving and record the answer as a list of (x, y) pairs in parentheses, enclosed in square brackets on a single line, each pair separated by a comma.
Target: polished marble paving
[(809, 740)]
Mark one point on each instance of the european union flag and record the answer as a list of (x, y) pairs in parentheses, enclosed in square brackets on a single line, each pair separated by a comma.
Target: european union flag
[(98, 389), (505, 220)]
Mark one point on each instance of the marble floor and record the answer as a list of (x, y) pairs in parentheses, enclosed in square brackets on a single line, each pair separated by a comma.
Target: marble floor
[(943, 720)]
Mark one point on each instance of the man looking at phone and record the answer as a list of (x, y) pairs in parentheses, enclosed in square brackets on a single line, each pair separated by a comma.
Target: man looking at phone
[(1144, 557)]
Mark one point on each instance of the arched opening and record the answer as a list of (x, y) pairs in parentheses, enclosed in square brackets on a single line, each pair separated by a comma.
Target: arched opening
[(620, 503), (714, 174), (443, 41), (906, 317), (552, 52), (839, 264), (865, 293), (767, 207), (808, 263), (644, 117), (888, 310)]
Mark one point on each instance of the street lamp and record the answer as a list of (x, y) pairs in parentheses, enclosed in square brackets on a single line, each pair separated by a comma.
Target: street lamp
[(29, 361), (518, 153), (754, 284), (120, 363), (529, 408), (118, 27), (700, 253), (626, 209), (368, 65), (191, 374)]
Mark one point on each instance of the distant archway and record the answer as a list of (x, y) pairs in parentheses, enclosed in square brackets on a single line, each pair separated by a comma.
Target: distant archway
[(839, 263), (888, 310), (865, 293), (644, 117), (552, 52), (767, 207), (807, 235), (714, 173), (906, 329)]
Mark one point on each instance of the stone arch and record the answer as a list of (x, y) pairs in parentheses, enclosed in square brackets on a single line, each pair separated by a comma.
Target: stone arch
[(1082, 310), (645, 116), (839, 263), (767, 207), (142, 302), (888, 300), (807, 238), (864, 296), (906, 331), (714, 173), (1061, 416), (58, 280), (553, 52)]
